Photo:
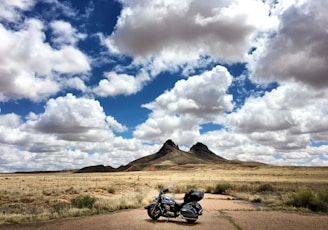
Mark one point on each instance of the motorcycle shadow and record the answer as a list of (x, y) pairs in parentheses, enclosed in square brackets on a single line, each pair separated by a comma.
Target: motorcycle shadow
[(172, 221)]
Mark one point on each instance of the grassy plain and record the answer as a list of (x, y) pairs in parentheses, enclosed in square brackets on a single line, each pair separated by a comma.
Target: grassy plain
[(35, 197)]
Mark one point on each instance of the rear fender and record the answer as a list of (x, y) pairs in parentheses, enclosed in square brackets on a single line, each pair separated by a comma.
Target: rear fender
[(199, 208)]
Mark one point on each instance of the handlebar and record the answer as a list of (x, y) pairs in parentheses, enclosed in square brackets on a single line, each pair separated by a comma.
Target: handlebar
[(165, 190)]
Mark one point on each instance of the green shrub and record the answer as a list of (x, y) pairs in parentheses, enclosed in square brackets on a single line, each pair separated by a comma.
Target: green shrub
[(222, 188), (305, 198), (83, 202), (256, 200), (265, 188), (111, 190), (301, 198), (61, 208), (209, 189), (323, 197), (318, 205), (190, 187)]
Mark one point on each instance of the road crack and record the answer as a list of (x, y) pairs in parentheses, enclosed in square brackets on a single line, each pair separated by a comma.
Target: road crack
[(231, 220)]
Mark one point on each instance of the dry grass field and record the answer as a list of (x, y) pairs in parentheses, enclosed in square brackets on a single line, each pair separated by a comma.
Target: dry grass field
[(36, 197)]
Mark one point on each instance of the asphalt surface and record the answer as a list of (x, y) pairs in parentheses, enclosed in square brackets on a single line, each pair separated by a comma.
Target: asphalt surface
[(219, 213)]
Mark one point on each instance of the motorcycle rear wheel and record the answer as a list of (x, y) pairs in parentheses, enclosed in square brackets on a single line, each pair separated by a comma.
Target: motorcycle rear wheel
[(153, 211), (191, 221)]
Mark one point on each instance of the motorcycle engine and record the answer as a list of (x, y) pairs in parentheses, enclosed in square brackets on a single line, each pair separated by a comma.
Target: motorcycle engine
[(167, 207)]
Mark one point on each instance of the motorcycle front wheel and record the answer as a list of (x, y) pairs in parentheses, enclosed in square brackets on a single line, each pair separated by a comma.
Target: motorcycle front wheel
[(153, 211)]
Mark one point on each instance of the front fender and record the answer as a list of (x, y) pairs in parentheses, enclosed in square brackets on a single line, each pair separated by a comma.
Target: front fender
[(146, 207)]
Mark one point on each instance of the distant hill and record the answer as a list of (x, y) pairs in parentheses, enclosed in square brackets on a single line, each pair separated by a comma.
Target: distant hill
[(97, 168), (170, 156)]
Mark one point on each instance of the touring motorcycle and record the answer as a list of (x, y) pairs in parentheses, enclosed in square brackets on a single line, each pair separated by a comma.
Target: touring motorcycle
[(165, 206)]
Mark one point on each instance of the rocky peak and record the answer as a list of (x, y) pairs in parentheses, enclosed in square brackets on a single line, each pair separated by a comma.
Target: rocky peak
[(204, 153), (199, 147), (168, 146)]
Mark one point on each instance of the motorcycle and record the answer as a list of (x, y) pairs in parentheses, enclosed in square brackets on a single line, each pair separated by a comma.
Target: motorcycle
[(165, 206)]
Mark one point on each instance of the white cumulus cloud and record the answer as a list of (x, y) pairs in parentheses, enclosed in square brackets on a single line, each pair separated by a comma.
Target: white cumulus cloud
[(167, 34), (297, 50), (121, 84), (27, 62), (190, 102), (10, 10), (65, 34)]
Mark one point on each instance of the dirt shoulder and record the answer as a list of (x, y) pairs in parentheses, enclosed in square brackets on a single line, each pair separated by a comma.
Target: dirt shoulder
[(220, 212)]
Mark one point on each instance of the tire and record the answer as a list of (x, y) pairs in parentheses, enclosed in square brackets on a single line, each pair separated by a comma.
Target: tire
[(191, 221), (153, 211)]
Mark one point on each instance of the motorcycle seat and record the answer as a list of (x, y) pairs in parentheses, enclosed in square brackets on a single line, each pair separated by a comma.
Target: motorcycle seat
[(178, 206)]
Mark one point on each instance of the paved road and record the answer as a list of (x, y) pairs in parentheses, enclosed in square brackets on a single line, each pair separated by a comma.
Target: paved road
[(219, 213)]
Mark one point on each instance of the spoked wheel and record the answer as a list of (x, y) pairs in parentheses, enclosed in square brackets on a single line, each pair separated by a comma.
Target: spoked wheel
[(153, 211)]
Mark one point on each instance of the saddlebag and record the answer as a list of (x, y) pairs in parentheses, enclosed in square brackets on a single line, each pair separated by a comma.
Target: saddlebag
[(188, 211)]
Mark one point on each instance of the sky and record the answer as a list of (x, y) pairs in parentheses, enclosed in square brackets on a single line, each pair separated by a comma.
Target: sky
[(93, 82)]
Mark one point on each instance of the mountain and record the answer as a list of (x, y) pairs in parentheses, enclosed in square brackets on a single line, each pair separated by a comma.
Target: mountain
[(171, 157)]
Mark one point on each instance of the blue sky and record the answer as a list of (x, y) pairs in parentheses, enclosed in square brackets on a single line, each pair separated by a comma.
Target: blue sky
[(105, 82)]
